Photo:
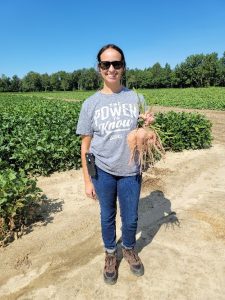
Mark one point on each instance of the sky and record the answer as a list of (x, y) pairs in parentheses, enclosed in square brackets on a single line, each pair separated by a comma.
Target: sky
[(47, 36)]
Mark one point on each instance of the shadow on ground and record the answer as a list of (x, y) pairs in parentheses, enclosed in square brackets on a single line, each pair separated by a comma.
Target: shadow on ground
[(46, 211), (38, 214), (154, 211)]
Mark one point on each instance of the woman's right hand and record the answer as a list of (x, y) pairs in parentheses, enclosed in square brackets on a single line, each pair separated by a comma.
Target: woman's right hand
[(89, 187), (90, 190)]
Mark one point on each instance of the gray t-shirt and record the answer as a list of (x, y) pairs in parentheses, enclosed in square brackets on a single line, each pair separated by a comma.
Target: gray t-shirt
[(108, 118)]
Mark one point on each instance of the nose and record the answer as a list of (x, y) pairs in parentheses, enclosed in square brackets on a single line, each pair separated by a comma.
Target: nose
[(111, 68)]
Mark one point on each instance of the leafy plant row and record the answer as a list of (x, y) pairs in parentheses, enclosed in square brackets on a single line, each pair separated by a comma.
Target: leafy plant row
[(201, 98), (39, 135), (182, 130)]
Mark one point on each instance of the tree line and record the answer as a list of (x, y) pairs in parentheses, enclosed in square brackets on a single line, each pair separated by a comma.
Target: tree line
[(199, 70)]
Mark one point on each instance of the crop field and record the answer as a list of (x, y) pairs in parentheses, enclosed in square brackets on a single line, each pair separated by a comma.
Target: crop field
[(37, 135), (199, 98), (70, 95), (38, 131)]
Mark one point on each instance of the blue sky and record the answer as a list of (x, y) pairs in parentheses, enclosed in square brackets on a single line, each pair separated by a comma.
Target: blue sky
[(53, 35)]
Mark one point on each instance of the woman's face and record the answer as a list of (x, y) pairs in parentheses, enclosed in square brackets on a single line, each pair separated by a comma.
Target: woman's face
[(111, 75)]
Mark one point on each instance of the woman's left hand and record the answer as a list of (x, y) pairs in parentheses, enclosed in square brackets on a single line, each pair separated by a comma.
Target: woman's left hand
[(148, 118)]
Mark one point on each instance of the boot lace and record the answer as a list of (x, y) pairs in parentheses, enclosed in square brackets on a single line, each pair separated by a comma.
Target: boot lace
[(132, 257), (110, 263)]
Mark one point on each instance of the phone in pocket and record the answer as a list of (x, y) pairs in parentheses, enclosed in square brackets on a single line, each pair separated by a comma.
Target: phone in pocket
[(90, 160)]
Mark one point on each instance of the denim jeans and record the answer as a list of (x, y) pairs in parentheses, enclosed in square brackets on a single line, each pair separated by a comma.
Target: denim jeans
[(127, 188)]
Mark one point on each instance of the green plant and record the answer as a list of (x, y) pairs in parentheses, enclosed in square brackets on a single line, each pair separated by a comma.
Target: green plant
[(183, 130), (19, 199), (38, 135)]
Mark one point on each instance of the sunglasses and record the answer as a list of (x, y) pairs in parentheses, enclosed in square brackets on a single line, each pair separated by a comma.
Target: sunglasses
[(105, 65)]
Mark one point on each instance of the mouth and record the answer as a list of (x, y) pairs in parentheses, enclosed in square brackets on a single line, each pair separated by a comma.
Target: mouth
[(110, 76)]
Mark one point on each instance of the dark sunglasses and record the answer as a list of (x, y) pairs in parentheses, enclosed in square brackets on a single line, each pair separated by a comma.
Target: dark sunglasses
[(105, 65)]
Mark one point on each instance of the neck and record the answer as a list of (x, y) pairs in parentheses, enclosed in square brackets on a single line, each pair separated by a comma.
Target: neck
[(108, 89)]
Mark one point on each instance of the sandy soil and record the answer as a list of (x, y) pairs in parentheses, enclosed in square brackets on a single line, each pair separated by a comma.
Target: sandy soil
[(180, 237)]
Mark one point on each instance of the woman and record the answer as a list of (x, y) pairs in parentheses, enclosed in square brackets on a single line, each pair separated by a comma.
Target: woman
[(105, 120)]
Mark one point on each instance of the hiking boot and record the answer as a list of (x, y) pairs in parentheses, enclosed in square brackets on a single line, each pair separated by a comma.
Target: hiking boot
[(110, 270), (134, 261)]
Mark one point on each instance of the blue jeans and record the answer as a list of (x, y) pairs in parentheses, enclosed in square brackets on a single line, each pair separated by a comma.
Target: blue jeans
[(127, 188)]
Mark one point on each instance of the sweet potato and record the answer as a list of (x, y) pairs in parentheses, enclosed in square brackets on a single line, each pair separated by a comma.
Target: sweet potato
[(144, 141)]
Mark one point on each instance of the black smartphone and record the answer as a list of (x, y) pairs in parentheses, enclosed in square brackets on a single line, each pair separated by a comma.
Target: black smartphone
[(90, 160)]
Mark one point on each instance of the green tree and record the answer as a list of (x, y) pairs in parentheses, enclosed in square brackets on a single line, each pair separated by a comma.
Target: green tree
[(32, 82), (45, 82), (157, 75), (65, 81), (131, 79), (210, 69), (194, 67), (221, 71), (166, 76), (16, 84), (55, 81), (198, 70), (75, 79), (88, 80), (5, 83)]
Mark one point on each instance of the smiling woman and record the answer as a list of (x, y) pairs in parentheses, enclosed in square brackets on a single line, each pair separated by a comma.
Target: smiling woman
[(106, 119), (111, 64)]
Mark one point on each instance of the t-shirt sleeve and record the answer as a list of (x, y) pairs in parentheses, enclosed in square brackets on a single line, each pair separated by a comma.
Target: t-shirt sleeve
[(84, 124)]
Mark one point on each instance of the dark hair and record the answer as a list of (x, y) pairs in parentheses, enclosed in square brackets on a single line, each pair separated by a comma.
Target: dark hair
[(113, 47)]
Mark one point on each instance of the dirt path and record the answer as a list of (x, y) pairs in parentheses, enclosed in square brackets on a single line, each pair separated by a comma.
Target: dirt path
[(180, 238)]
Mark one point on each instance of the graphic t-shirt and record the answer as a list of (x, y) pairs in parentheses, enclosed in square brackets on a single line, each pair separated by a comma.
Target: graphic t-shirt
[(108, 118)]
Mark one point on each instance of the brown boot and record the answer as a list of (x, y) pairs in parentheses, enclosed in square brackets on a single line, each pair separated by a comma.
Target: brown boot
[(134, 261), (110, 270)]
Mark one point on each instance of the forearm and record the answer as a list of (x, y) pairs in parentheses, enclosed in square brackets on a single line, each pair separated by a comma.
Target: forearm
[(84, 149)]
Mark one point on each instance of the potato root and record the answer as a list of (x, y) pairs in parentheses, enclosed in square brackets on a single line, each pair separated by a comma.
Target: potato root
[(144, 142)]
